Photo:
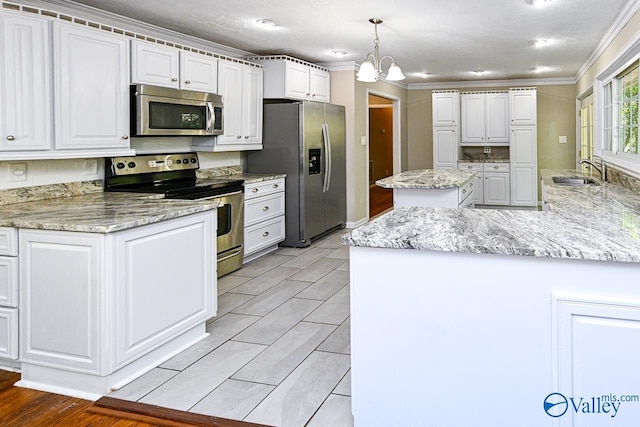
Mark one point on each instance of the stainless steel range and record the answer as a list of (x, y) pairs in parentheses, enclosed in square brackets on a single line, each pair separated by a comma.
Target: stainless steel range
[(174, 176)]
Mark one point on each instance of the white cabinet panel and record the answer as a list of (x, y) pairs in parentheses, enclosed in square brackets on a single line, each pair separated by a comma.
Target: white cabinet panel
[(446, 108), (485, 118), (264, 219), (320, 85), (25, 79), (524, 170), (59, 305), (154, 64), (198, 72), (91, 88), (263, 208), (296, 80), (9, 333), (496, 188), (523, 107), (8, 241), (473, 118), (445, 147), (241, 87), (264, 235), (164, 282), (9, 282)]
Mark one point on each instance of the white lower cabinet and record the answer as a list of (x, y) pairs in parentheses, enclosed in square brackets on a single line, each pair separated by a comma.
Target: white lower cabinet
[(9, 282), (263, 217), (491, 183), (445, 147), (99, 309)]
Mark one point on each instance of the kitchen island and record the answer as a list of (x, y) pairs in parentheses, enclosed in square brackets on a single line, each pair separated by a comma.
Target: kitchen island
[(110, 285), (431, 188), (492, 311)]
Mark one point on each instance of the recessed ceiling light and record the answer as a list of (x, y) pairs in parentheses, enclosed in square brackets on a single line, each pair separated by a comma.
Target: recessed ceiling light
[(423, 75), (339, 53), (540, 43), (478, 72), (541, 69), (538, 3), (266, 23)]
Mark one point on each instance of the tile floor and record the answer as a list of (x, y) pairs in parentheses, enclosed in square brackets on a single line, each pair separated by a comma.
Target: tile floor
[(278, 352)]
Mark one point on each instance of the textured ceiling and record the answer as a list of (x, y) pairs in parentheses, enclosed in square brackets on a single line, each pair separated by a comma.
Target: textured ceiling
[(447, 39)]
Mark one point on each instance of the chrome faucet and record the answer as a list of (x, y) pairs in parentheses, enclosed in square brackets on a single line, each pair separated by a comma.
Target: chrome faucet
[(602, 167)]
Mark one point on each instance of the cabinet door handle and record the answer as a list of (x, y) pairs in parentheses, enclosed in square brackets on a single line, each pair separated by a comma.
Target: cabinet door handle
[(239, 136), (464, 191), (174, 79), (255, 190), (187, 82), (496, 167), (125, 136), (246, 137), (265, 234), (10, 138), (275, 185), (266, 208)]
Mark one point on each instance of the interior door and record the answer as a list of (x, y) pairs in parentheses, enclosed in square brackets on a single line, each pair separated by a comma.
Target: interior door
[(314, 168)]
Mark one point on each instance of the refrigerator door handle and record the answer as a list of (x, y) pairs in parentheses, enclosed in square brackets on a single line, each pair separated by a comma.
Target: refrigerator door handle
[(327, 157)]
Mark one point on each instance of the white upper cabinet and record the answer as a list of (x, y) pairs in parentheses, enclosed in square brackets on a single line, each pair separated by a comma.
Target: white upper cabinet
[(241, 87), (91, 69), (286, 77), (446, 108), (25, 79), (154, 64), (198, 72), (485, 118), (167, 66), (523, 107)]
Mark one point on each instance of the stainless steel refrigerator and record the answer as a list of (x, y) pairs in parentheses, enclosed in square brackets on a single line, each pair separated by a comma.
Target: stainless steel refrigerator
[(307, 141)]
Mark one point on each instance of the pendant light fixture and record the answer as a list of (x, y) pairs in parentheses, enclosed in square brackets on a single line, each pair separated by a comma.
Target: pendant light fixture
[(371, 68)]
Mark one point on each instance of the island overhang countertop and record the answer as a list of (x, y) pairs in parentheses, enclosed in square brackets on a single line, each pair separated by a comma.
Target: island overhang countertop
[(427, 179), (586, 222)]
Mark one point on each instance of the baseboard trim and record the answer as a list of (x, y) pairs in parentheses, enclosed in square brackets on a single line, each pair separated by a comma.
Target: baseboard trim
[(356, 224)]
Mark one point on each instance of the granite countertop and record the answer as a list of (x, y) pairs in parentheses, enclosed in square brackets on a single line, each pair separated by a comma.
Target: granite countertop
[(588, 222), (428, 179), (98, 212), (484, 161), (235, 172)]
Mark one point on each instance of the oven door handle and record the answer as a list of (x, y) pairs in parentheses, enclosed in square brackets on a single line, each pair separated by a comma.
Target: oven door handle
[(231, 255), (219, 196)]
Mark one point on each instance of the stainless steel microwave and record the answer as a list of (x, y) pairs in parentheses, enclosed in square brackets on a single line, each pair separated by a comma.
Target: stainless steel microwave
[(160, 111)]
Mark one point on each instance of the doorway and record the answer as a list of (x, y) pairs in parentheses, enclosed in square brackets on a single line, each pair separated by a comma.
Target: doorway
[(380, 153), (586, 146)]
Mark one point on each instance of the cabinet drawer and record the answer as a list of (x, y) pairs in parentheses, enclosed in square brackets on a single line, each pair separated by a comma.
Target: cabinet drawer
[(465, 191), (262, 188), (263, 235), (263, 208), (476, 167), (8, 281), (8, 241), (496, 167), (9, 333)]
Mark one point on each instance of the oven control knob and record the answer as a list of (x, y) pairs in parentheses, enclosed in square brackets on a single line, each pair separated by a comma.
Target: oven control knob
[(131, 165), (193, 160), (178, 161), (120, 165), (185, 161)]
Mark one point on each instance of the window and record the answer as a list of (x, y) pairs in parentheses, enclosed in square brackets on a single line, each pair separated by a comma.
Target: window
[(620, 113), (628, 111)]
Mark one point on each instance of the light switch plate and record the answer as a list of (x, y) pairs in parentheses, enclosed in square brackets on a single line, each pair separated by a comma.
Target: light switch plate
[(562, 139), (363, 140), (487, 149)]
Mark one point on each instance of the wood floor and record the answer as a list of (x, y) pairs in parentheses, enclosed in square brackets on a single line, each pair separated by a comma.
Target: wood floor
[(380, 199), (24, 407)]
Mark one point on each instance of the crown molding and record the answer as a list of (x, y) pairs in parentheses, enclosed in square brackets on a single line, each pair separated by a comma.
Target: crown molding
[(623, 19), (107, 18), (339, 65), (493, 83)]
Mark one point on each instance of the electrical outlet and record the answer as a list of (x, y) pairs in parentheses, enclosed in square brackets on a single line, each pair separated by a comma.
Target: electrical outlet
[(17, 172), (562, 139), (91, 166), (487, 149)]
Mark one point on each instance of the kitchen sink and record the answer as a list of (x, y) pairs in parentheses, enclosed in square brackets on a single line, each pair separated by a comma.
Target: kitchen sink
[(573, 180)]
